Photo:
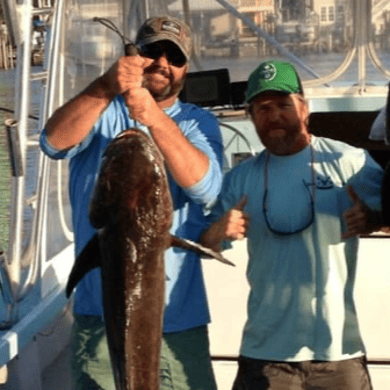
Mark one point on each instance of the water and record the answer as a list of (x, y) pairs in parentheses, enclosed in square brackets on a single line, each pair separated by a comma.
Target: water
[(321, 64), (6, 101), (7, 106)]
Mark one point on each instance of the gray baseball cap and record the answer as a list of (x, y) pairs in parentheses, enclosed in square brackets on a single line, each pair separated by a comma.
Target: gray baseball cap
[(162, 28)]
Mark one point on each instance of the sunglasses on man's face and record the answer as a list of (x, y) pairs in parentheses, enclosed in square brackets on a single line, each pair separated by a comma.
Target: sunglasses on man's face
[(155, 50)]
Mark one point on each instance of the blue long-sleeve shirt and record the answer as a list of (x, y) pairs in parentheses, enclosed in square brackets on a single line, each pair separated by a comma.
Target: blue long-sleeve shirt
[(186, 304)]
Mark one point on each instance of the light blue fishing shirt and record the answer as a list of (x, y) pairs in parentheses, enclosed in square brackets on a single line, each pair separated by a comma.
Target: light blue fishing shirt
[(301, 303), (186, 303)]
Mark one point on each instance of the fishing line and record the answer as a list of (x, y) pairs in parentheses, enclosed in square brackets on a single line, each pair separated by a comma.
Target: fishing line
[(109, 24), (130, 48)]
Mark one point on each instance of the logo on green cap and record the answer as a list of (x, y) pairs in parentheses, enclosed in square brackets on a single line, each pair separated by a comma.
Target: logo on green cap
[(267, 71), (274, 75)]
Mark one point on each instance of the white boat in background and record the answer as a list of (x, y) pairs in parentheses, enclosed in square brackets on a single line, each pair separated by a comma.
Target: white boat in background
[(342, 51)]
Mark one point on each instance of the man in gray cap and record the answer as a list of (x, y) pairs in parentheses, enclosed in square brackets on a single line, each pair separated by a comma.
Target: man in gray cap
[(142, 91), (290, 201)]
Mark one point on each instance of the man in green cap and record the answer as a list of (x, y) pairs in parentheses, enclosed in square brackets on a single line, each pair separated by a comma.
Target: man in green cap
[(296, 203)]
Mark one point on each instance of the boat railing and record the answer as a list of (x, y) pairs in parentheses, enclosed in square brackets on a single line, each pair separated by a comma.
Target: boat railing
[(30, 251)]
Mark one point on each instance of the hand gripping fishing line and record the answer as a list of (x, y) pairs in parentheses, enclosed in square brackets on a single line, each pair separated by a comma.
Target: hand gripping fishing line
[(130, 48)]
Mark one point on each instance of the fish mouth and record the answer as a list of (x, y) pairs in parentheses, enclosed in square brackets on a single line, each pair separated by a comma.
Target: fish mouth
[(129, 132)]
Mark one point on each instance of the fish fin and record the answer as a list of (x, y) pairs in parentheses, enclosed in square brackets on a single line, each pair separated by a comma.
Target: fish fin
[(198, 248), (88, 259)]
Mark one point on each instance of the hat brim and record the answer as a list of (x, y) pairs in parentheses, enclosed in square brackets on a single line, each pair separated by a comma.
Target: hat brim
[(163, 37), (275, 91)]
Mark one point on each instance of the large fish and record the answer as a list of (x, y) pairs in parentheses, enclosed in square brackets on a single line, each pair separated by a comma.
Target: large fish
[(132, 210)]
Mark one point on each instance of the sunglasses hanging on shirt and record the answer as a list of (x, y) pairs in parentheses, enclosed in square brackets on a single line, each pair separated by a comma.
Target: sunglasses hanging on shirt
[(310, 220)]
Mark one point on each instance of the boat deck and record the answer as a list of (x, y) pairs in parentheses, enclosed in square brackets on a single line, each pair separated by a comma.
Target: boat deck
[(57, 375)]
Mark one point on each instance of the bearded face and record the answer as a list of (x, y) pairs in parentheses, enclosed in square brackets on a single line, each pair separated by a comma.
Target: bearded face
[(162, 83), (281, 122), (165, 70)]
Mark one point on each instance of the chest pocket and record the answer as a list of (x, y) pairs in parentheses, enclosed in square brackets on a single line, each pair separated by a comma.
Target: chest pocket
[(323, 182), (331, 200)]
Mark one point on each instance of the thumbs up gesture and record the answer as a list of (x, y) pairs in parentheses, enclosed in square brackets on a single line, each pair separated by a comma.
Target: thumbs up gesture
[(360, 218), (236, 221), (233, 225)]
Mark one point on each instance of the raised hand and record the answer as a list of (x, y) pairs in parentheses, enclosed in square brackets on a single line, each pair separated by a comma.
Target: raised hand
[(233, 225), (360, 218), (127, 72), (235, 222)]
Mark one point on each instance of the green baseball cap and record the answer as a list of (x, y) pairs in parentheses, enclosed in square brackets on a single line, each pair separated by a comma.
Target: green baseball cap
[(275, 76)]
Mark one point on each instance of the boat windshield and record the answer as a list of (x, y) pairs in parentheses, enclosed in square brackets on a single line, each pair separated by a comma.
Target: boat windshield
[(340, 47)]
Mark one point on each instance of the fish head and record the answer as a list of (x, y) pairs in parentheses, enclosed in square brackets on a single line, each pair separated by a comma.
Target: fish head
[(132, 184)]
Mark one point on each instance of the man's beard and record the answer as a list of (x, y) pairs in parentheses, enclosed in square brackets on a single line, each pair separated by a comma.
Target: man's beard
[(293, 140), (169, 91), (172, 89)]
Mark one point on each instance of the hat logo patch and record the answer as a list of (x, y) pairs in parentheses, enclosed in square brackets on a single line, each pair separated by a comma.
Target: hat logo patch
[(268, 72), (171, 27), (183, 35)]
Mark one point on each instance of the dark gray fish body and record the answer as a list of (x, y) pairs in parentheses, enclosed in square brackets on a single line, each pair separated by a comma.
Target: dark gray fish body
[(132, 210)]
